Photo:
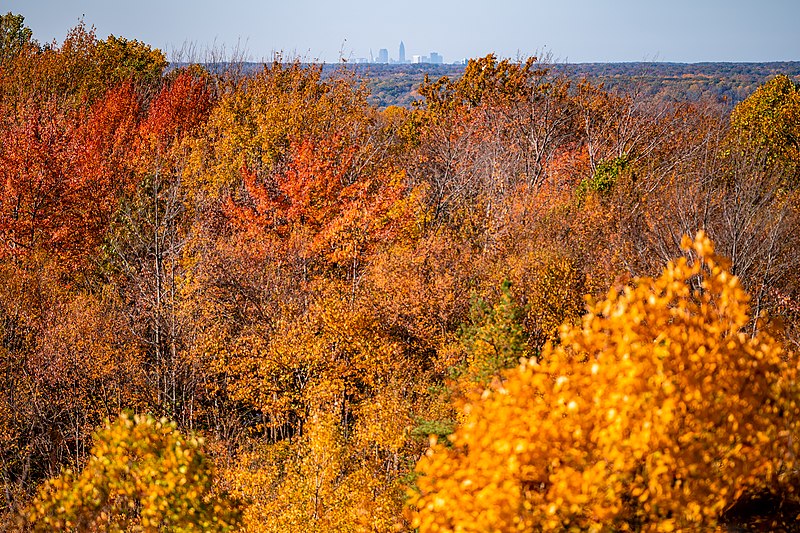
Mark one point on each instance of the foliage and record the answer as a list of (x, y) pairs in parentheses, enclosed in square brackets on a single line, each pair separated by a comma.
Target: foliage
[(556, 297), (658, 412), (315, 485), (769, 120), (120, 59), (14, 37), (264, 257), (604, 178), (484, 80), (494, 340), (141, 474)]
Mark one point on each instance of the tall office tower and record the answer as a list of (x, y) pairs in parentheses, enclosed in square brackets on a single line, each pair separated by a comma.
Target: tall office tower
[(401, 58), (383, 55)]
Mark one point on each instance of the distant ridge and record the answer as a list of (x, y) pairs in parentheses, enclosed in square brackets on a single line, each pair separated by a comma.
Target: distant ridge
[(722, 82)]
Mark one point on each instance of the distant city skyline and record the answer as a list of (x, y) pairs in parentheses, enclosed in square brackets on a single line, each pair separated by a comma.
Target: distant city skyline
[(569, 31), (384, 57)]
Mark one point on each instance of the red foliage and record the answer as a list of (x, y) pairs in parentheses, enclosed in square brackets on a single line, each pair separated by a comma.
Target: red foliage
[(62, 173), (177, 111)]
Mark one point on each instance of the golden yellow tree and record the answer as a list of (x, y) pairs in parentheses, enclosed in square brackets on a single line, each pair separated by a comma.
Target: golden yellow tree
[(143, 475), (658, 413), (769, 120)]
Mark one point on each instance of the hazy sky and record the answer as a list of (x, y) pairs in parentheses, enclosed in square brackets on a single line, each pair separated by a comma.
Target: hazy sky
[(570, 30)]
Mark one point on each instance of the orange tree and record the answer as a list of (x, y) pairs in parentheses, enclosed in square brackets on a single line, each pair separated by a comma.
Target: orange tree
[(657, 413)]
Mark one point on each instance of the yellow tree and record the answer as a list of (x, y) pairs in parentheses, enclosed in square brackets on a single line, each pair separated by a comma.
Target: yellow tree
[(657, 413), (14, 37), (318, 483), (769, 120), (142, 475)]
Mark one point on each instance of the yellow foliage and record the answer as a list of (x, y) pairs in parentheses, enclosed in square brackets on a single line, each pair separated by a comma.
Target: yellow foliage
[(769, 120), (556, 297), (657, 413), (142, 475), (313, 485)]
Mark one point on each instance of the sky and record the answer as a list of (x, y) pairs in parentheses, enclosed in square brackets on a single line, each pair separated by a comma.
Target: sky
[(573, 31)]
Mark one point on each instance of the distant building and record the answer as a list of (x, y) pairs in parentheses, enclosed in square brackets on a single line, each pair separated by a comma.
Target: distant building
[(436, 59), (383, 55), (419, 59), (401, 57)]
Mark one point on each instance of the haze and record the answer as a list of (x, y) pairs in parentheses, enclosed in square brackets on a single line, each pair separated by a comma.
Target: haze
[(573, 31)]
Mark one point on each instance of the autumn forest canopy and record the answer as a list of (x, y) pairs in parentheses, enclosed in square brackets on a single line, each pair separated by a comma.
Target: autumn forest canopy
[(254, 300)]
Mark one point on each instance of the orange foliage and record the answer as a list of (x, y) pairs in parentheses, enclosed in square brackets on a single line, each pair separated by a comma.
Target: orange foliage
[(269, 260), (657, 413), (324, 199), (63, 173)]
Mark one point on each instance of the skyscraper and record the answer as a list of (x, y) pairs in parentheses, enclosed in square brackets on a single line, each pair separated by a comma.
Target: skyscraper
[(401, 58), (383, 55)]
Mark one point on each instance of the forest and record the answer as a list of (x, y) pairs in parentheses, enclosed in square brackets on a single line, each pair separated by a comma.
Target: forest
[(251, 300), (725, 84)]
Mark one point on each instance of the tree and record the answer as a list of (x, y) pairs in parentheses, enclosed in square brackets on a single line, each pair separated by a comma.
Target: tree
[(769, 120), (146, 242), (487, 133), (326, 199), (494, 341), (63, 173), (658, 413), (120, 59), (14, 37), (726, 186), (141, 474), (64, 165)]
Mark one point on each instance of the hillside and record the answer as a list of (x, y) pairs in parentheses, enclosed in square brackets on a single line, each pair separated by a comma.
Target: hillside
[(242, 297)]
